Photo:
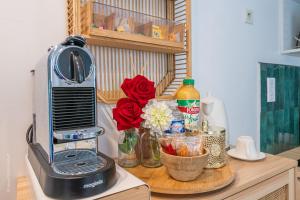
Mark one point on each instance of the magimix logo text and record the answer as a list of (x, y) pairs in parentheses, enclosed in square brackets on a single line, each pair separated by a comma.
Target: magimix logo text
[(92, 185)]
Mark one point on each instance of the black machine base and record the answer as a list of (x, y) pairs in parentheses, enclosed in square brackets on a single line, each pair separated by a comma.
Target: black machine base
[(61, 186)]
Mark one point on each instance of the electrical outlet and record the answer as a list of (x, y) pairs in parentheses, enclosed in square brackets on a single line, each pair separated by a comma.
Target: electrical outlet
[(271, 84), (249, 16)]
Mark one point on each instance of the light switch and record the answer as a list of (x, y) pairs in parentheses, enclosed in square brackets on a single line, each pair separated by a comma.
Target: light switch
[(271, 90), (249, 16)]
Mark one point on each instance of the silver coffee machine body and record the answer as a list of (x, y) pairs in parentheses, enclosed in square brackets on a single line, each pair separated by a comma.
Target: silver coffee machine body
[(65, 99), (62, 142)]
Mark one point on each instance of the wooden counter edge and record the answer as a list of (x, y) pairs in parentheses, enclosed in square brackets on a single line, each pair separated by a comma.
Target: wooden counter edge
[(142, 192), (228, 191), (293, 154), (137, 193)]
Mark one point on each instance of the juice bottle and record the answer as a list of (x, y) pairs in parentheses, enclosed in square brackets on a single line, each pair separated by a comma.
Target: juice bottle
[(188, 99)]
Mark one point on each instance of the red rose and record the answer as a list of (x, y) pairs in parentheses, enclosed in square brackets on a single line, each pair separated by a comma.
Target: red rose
[(127, 114), (140, 89)]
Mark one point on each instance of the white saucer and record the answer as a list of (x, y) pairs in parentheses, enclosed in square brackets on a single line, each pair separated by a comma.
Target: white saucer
[(234, 154)]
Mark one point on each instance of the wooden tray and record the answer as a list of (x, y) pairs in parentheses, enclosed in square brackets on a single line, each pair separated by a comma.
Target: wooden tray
[(160, 182)]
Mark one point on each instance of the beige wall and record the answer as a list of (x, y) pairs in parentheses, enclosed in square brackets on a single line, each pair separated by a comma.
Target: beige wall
[(27, 28)]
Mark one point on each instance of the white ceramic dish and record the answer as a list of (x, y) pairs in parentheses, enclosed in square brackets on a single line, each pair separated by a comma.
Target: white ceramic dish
[(234, 154)]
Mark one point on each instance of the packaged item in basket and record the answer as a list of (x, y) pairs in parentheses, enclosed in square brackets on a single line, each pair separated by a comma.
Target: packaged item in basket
[(180, 145), (182, 150), (168, 144), (189, 146)]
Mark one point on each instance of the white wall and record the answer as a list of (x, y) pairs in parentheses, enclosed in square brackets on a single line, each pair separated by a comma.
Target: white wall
[(27, 30), (226, 52)]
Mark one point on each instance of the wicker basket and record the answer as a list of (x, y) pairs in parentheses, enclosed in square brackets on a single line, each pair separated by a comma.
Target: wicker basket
[(184, 168)]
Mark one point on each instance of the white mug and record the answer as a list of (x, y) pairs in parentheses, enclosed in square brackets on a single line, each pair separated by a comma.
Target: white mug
[(245, 146)]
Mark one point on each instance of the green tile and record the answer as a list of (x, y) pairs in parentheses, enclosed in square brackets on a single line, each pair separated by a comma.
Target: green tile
[(280, 88), (296, 126), (282, 117), (263, 130), (270, 132), (263, 82)]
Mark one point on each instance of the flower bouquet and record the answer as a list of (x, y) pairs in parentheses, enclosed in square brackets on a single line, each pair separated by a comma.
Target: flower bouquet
[(127, 114)]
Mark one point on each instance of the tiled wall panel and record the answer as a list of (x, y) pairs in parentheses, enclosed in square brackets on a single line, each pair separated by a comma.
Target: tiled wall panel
[(279, 120)]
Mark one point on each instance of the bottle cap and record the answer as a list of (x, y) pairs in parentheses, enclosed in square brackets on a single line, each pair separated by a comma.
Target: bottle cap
[(188, 81)]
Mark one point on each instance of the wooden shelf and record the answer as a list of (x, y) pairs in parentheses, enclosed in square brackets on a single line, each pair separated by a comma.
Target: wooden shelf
[(132, 41), (100, 23)]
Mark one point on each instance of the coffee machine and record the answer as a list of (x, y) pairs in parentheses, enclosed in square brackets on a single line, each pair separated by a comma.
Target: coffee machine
[(63, 150)]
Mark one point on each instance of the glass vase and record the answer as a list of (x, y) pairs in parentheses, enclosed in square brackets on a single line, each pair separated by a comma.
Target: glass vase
[(150, 154), (128, 148)]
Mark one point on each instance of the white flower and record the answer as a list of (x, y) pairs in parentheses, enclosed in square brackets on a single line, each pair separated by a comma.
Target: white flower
[(158, 116)]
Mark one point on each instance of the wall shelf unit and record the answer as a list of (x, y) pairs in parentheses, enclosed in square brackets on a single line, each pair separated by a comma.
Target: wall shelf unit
[(289, 22), (131, 41), (130, 37), (116, 27)]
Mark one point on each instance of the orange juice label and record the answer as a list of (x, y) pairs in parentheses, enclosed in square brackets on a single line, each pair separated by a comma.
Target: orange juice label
[(191, 112)]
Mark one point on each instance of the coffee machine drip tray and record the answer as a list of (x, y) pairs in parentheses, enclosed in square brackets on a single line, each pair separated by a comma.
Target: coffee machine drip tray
[(77, 162)]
